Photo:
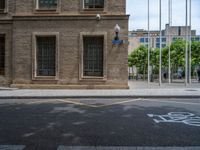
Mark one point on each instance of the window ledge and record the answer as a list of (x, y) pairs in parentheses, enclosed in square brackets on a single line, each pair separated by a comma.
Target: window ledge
[(93, 79), (46, 11), (95, 11), (53, 78), (3, 12)]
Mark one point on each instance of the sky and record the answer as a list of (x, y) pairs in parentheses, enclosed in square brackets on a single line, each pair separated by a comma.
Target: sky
[(137, 9)]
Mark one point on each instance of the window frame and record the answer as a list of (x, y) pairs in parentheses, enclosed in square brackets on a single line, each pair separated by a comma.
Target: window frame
[(4, 36), (5, 10), (142, 40), (34, 55), (95, 58), (47, 10), (81, 55), (100, 10)]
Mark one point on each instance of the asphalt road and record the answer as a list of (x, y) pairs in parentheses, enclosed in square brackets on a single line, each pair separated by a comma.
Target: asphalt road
[(41, 124)]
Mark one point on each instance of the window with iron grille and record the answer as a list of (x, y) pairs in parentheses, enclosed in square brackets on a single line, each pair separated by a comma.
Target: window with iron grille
[(93, 56), (2, 5), (2, 54), (93, 4), (46, 56), (47, 4)]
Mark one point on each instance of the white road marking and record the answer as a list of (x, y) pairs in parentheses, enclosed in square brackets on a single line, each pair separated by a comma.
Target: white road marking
[(177, 117)]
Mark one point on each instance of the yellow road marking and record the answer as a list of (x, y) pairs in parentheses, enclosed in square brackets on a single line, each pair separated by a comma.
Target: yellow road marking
[(42, 101), (83, 104), (115, 103), (76, 103), (161, 101), (99, 106), (122, 102)]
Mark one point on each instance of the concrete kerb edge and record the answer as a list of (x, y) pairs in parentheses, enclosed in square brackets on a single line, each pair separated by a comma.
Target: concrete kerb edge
[(100, 97)]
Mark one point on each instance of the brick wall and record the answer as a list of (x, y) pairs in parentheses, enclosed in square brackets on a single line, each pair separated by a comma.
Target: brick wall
[(69, 33), (71, 20)]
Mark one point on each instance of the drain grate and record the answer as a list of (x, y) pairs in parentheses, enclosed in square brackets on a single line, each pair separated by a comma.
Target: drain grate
[(191, 90)]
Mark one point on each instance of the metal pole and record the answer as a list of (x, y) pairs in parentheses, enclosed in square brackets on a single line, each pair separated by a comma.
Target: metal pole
[(160, 63), (171, 12), (148, 47), (190, 48), (186, 45), (169, 53)]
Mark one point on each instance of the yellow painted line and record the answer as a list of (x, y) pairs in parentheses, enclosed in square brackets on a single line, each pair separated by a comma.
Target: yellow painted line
[(122, 102), (161, 101), (83, 104), (77, 103), (42, 101)]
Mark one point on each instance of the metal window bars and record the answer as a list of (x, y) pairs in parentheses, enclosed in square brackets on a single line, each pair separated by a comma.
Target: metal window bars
[(46, 51), (49, 4), (2, 54), (2, 5), (93, 56), (94, 4)]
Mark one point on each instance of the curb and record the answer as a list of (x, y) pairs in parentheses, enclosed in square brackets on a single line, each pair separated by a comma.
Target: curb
[(103, 96)]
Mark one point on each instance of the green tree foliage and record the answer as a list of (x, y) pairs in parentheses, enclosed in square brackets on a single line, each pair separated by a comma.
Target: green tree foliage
[(177, 54), (195, 55), (139, 57)]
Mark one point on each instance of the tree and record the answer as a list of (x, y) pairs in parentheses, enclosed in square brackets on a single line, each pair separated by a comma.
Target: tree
[(195, 55), (177, 54), (139, 57)]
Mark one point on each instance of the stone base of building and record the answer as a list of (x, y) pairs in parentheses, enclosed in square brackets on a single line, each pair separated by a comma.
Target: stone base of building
[(55, 86)]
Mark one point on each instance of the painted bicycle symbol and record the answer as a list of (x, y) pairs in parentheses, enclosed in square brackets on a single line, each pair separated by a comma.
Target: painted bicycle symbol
[(177, 117)]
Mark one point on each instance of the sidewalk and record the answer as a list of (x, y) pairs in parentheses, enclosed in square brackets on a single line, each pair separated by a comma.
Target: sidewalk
[(137, 90)]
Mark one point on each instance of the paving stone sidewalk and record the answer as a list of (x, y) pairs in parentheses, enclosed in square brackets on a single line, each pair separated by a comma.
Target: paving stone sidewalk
[(137, 89)]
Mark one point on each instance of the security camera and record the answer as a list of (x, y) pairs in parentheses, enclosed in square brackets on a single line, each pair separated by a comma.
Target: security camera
[(98, 17)]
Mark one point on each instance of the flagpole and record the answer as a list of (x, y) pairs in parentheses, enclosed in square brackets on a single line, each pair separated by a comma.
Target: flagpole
[(190, 48), (160, 62), (169, 53), (186, 44), (148, 47)]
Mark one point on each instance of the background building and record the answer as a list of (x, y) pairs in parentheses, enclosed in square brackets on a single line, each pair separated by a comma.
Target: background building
[(62, 43), (170, 34)]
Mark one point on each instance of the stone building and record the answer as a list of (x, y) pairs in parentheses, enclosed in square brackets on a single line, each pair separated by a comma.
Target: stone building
[(63, 44), (169, 34)]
